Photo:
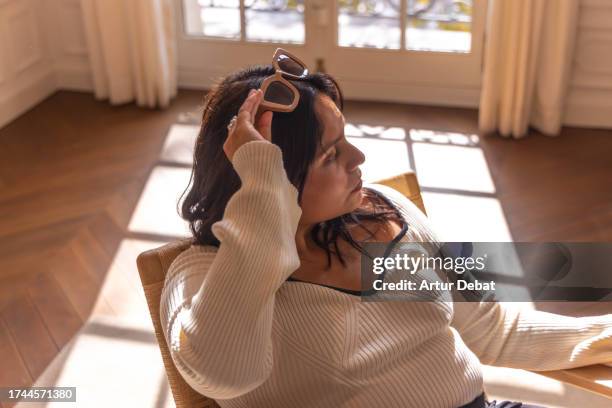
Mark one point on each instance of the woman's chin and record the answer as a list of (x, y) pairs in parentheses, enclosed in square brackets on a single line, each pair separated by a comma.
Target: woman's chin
[(356, 197)]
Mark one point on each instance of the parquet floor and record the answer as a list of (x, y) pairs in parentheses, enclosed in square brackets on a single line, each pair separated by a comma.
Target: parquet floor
[(84, 187)]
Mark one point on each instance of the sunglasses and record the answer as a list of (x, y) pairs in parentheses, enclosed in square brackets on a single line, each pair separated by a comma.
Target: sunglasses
[(279, 94)]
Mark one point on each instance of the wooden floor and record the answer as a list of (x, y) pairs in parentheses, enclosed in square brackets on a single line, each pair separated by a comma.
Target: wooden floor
[(73, 169)]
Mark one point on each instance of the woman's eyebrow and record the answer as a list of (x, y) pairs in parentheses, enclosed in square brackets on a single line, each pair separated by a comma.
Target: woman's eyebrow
[(325, 149)]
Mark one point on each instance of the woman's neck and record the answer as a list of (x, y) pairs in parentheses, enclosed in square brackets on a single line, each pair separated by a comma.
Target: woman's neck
[(311, 253), (306, 247)]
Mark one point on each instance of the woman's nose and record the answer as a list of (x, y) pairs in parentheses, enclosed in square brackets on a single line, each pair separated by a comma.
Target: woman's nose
[(357, 159)]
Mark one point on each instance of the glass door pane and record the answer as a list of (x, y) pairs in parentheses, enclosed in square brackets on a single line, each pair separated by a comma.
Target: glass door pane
[(279, 21), (275, 20), (416, 51), (369, 23), (439, 25), (212, 18), (217, 37)]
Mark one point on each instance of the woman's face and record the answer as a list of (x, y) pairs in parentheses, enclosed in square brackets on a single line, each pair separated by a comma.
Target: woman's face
[(330, 186)]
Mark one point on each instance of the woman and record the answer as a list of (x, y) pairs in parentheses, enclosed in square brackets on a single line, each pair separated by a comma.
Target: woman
[(263, 310)]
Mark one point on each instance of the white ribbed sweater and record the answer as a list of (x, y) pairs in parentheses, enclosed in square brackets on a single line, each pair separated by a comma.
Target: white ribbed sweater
[(240, 334)]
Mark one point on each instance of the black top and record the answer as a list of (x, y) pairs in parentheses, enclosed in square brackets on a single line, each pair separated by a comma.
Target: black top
[(395, 240)]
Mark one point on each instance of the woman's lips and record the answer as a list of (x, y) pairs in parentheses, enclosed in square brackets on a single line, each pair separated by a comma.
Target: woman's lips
[(358, 187)]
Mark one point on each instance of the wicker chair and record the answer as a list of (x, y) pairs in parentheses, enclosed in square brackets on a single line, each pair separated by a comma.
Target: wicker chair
[(153, 265)]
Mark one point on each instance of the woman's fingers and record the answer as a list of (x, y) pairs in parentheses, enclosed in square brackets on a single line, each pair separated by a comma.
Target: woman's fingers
[(264, 125), (244, 113), (245, 129), (248, 110), (258, 98)]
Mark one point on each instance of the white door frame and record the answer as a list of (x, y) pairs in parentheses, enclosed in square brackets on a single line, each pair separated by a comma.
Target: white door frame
[(420, 77)]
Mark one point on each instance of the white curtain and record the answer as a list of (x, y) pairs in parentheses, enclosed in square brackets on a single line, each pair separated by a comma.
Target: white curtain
[(528, 55), (132, 50)]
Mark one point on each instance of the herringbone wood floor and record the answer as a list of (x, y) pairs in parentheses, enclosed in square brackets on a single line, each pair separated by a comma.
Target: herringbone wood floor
[(72, 170)]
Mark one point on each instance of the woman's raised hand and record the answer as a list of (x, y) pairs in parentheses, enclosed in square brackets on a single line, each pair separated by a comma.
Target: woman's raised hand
[(245, 129)]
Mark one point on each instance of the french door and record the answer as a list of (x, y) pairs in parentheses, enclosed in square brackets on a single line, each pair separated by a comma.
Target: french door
[(417, 51)]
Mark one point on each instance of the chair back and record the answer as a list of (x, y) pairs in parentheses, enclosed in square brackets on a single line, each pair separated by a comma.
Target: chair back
[(153, 266), (408, 185)]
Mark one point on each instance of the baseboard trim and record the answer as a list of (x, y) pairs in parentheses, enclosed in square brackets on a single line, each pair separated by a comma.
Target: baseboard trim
[(191, 78), (73, 79), (588, 116), (411, 93), (26, 97), (77, 79)]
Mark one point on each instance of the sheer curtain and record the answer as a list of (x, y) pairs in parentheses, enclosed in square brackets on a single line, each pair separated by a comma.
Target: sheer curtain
[(132, 50), (528, 54)]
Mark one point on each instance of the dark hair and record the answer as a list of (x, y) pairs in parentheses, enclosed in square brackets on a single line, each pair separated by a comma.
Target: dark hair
[(297, 133)]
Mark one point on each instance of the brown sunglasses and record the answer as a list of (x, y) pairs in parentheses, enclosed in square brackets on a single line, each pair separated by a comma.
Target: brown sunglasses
[(279, 94)]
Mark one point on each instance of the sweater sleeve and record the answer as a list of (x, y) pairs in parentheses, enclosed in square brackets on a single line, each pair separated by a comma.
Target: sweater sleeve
[(217, 306), (503, 334)]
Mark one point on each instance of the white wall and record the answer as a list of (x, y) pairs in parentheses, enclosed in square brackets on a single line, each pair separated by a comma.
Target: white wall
[(68, 45), (26, 70), (42, 48), (589, 101)]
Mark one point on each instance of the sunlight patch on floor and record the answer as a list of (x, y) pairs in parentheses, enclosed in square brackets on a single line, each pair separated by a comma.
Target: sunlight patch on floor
[(432, 136), (156, 211), (179, 144), (452, 167), (502, 383), (461, 218), (384, 158), (122, 289), (112, 363)]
